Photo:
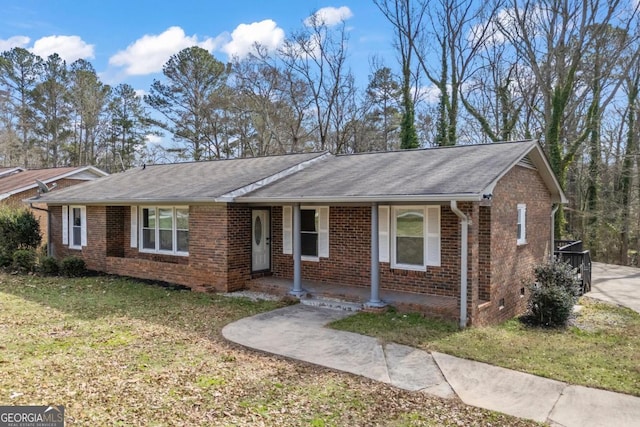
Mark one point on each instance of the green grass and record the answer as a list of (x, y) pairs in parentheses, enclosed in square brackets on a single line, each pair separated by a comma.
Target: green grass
[(601, 349), (120, 352)]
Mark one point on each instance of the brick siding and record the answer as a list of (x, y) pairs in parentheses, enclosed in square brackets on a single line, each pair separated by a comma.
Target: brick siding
[(350, 255), (213, 264), (512, 264)]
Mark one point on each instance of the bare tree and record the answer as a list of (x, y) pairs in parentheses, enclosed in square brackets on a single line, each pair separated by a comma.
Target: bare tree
[(317, 55), (552, 37)]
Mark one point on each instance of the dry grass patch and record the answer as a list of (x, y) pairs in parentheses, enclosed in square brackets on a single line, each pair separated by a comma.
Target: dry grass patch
[(119, 352)]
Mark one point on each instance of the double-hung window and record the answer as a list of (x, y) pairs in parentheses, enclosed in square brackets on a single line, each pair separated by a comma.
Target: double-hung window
[(314, 231), (164, 229), (415, 239), (309, 232), (522, 224), (74, 226)]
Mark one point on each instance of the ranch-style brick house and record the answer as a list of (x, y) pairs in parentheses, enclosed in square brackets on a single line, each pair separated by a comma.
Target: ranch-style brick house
[(463, 224)]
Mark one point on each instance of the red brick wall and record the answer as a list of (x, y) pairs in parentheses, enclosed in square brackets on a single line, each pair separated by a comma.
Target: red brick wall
[(213, 263), (349, 255), (512, 264), (484, 235), (239, 246)]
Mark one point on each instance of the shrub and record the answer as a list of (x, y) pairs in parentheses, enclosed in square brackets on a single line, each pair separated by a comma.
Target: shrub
[(48, 266), (24, 260), (554, 294), (72, 266), (19, 229), (5, 259)]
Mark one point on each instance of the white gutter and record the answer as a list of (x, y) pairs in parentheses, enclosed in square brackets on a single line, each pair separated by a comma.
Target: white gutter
[(553, 231), (464, 245), (444, 198)]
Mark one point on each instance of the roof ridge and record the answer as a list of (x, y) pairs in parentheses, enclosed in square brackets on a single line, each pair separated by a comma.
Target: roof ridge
[(409, 150), (194, 162)]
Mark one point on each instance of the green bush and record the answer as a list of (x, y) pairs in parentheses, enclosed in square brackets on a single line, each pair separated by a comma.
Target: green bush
[(5, 259), (554, 294), (72, 266), (24, 260), (19, 229), (48, 266)]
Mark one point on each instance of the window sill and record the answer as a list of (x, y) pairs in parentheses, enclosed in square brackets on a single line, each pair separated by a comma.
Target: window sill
[(409, 267), (524, 243), (147, 251), (75, 248), (310, 258)]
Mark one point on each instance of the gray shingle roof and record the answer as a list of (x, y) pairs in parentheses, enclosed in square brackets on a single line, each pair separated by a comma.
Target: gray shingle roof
[(437, 174), (178, 182), (429, 173)]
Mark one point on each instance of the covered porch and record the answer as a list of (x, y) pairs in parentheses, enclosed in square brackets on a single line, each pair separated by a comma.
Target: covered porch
[(319, 293)]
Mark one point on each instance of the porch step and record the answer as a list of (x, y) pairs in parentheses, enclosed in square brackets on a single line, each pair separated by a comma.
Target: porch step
[(333, 304)]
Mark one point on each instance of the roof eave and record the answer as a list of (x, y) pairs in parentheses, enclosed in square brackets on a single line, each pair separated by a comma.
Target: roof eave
[(125, 202), (544, 169)]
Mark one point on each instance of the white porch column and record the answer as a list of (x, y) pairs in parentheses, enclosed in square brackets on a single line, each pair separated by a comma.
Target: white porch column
[(375, 301), (297, 254)]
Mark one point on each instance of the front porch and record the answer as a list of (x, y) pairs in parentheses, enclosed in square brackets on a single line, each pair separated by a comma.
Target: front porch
[(430, 305)]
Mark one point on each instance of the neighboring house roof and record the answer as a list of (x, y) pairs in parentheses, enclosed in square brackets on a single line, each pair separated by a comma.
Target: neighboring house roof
[(9, 171), (193, 182), (464, 172), (26, 179), (436, 174)]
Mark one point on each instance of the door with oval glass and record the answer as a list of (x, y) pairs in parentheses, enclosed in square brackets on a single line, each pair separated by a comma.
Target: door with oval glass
[(260, 240)]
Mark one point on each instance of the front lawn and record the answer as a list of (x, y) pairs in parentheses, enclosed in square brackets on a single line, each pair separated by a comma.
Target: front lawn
[(601, 349), (120, 352)]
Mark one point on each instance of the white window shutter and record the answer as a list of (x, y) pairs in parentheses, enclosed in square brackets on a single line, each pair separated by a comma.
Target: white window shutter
[(383, 233), (522, 222), (83, 223), (323, 232), (433, 236), (287, 231), (134, 227), (65, 225)]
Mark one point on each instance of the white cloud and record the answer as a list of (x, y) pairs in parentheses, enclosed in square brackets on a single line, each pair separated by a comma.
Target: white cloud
[(429, 94), (245, 36), (329, 16), (140, 93), (69, 48), (153, 139), (149, 53), (15, 41)]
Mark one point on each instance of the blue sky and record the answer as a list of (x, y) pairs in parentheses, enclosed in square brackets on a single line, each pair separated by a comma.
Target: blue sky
[(128, 41)]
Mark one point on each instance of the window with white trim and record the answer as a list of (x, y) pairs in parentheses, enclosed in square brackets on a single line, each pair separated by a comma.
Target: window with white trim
[(415, 239), (314, 231), (164, 229), (74, 226), (309, 219), (522, 224)]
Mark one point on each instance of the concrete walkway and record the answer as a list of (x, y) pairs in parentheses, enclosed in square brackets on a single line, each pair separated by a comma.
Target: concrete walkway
[(298, 332), (617, 284)]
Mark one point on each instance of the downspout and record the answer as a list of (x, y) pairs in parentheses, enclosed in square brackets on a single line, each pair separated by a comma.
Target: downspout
[(48, 226), (553, 231), (464, 253)]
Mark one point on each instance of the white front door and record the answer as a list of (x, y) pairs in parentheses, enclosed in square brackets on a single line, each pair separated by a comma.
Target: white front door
[(260, 240)]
